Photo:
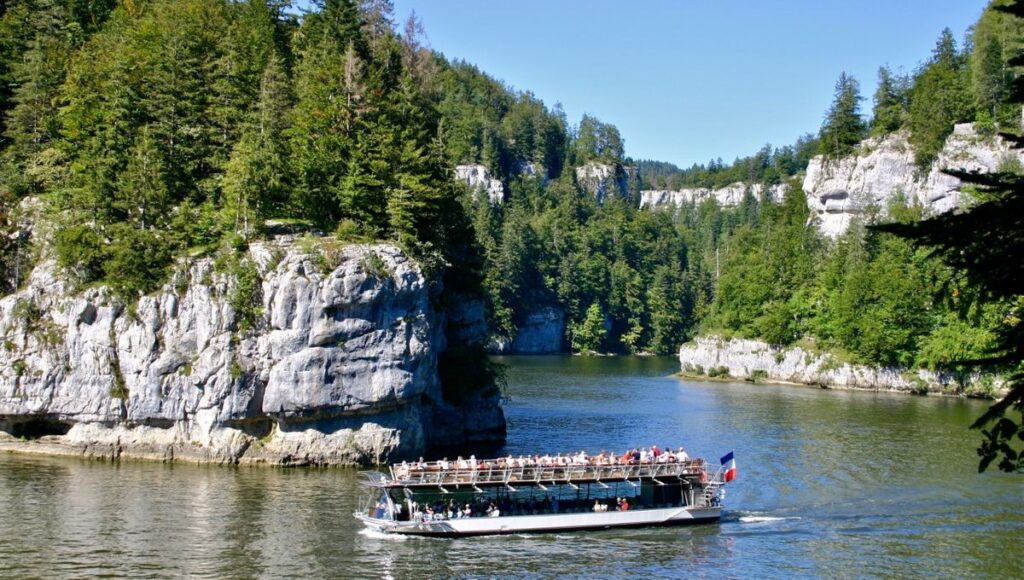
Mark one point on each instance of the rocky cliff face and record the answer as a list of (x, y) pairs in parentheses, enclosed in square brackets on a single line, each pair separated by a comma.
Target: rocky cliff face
[(756, 360), (884, 167), (729, 196), (602, 180), (339, 365), (543, 332), (480, 180)]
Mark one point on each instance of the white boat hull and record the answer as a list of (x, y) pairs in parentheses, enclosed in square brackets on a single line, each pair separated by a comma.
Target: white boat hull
[(479, 526)]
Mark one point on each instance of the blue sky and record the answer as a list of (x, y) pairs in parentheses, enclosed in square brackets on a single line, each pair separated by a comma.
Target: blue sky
[(687, 81)]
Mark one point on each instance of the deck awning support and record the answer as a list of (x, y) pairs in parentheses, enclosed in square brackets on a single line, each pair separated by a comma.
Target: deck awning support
[(443, 490), (510, 488)]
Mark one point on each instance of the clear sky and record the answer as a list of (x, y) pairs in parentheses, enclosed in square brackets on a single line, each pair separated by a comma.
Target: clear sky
[(685, 80)]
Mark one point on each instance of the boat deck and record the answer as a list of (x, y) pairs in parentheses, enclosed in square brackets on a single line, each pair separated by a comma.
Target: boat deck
[(491, 474)]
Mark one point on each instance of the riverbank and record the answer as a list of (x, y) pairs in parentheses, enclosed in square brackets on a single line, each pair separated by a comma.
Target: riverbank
[(228, 447), (720, 359)]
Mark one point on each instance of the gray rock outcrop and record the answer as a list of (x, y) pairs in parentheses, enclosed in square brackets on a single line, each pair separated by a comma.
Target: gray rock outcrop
[(543, 332), (729, 196), (339, 365), (479, 179), (883, 168), (602, 180), (757, 360)]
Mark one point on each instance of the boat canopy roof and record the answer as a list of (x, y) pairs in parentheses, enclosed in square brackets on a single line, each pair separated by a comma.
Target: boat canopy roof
[(490, 473)]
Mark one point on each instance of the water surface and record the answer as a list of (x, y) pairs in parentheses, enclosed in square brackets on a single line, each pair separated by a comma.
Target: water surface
[(832, 483)]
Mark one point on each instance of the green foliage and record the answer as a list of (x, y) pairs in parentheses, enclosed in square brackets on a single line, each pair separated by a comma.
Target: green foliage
[(138, 261), (118, 390), (375, 266), (236, 371), (590, 334), (939, 99), (843, 128), (769, 166), (246, 296), (891, 102), (718, 372), (81, 251)]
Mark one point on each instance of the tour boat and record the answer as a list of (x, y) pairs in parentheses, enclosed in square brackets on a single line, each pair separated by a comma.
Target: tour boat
[(515, 495)]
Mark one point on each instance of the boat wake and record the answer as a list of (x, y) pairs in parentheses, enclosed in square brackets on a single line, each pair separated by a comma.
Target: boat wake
[(374, 534), (764, 519)]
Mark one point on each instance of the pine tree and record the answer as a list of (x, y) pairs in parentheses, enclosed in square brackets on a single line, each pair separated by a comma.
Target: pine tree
[(589, 336), (890, 110), (939, 99), (990, 76), (257, 176), (843, 128)]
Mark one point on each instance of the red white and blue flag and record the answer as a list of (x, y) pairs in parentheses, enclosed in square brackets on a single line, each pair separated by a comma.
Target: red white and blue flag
[(729, 463)]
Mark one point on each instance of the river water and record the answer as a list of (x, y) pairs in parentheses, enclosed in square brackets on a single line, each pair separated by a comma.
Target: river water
[(831, 483)]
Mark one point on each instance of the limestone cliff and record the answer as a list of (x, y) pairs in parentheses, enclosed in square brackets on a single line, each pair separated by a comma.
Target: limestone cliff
[(728, 196), (542, 332), (756, 360), (601, 179), (884, 167), (479, 180), (335, 363)]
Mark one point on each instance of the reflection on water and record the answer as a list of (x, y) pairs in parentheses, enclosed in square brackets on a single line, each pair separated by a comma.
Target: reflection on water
[(831, 483)]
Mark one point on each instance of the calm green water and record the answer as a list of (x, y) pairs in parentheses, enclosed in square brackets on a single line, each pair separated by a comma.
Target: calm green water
[(831, 484)]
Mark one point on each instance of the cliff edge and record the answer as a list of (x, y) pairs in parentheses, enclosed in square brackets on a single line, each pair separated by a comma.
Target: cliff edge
[(327, 355)]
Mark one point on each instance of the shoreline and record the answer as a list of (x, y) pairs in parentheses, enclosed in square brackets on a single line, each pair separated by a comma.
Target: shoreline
[(825, 387), (52, 446)]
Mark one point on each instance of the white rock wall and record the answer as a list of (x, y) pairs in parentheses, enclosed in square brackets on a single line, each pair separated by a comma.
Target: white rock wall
[(884, 167), (729, 196), (480, 180), (742, 358), (341, 368)]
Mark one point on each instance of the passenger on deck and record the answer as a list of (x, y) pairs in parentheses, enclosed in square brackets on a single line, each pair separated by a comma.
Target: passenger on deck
[(443, 464), (462, 463)]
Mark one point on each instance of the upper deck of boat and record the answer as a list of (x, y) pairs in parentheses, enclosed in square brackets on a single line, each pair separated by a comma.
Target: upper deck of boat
[(446, 475)]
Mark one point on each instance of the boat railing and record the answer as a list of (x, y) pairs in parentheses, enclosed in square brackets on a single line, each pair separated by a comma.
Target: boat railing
[(494, 473)]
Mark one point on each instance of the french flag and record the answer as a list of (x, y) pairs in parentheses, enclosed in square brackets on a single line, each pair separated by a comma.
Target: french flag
[(729, 463)]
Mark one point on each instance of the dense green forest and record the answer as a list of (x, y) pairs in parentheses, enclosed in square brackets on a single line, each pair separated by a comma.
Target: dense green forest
[(153, 129)]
